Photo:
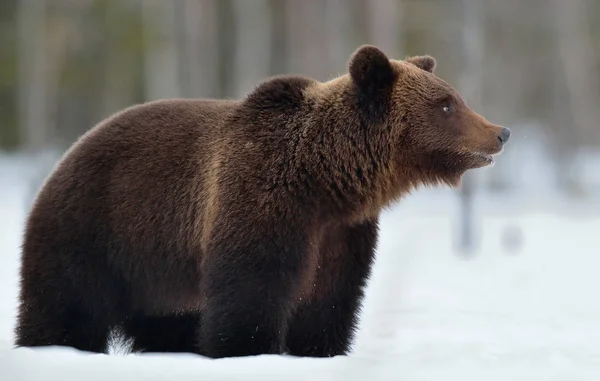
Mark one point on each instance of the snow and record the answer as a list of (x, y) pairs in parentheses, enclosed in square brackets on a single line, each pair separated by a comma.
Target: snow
[(524, 307)]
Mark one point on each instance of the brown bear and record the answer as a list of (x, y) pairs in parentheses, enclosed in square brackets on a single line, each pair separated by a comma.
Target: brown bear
[(239, 227)]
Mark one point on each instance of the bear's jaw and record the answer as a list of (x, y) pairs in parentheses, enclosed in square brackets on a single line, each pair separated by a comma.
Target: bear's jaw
[(464, 161), (436, 168), (484, 158)]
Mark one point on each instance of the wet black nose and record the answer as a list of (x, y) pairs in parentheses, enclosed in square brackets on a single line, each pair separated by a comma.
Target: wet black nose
[(504, 136)]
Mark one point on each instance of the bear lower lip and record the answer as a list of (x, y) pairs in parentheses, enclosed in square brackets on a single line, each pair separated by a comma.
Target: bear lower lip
[(489, 159)]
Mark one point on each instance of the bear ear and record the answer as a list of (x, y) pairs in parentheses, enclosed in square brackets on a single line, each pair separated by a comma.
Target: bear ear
[(370, 68), (372, 73), (426, 63)]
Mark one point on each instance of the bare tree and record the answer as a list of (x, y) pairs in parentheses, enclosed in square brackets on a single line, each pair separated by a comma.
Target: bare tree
[(385, 26), (577, 59), (279, 37), (307, 45), (39, 58), (198, 57), (33, 107), (253, 44), (470, 86), (161, 62), (338, 36), (117, 85)]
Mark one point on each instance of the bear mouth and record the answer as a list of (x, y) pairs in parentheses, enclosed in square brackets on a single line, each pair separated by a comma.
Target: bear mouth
[(486, 157), (483, 159)]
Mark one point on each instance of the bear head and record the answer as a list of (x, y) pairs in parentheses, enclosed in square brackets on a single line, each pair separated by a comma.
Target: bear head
[(432, 135)]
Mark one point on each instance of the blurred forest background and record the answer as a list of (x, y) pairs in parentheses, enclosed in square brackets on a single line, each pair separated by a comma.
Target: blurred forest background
[(532, 65)]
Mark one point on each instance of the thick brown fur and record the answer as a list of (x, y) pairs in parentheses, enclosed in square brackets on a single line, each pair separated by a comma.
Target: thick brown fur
[(231, 228)]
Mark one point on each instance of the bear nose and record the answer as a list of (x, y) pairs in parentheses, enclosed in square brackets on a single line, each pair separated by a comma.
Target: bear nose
[(504, 135)]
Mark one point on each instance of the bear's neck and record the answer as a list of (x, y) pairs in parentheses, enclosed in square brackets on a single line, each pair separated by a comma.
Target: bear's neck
[(350, 166)]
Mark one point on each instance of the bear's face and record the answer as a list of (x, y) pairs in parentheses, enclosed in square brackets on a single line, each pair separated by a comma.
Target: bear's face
[(430, 125), (436, 120)]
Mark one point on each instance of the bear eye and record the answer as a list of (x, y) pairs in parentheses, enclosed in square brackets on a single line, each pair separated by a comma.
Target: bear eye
[(447, 109)]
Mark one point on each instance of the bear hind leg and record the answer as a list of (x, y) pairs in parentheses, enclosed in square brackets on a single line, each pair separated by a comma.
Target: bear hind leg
[(62, 326), (173, 333)]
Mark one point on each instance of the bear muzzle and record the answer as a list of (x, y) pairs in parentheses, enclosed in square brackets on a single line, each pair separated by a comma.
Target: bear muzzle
[(504, 136)]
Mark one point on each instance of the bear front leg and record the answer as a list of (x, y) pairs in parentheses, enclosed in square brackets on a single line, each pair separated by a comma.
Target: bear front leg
[(325, 325), (248, 295)]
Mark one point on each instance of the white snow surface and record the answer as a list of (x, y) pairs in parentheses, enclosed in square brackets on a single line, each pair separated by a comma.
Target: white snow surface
[(527, 313)]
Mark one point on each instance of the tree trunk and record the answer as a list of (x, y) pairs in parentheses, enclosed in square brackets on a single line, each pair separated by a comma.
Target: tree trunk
[(160, 64), (338, 36), (33, 109), (307, 44), (575, 48), (117, 85), (470, 88), (197, 36), (385, 26), (279, 37), (253, 44)]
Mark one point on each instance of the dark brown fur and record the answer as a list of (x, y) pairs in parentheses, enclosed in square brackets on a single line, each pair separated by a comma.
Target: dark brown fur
[(233, 228)]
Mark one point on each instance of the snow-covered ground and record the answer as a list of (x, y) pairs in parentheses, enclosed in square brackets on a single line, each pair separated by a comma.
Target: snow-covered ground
[(526, 311)]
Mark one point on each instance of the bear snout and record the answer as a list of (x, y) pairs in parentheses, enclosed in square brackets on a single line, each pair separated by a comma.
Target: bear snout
[(504, 136)]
